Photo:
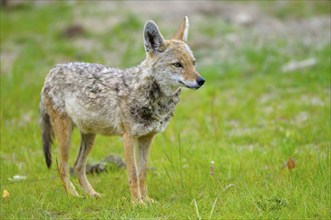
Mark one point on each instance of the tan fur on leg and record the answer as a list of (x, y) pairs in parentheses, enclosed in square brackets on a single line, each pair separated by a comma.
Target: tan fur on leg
[(144, 145), (62, 127), (130, 143)]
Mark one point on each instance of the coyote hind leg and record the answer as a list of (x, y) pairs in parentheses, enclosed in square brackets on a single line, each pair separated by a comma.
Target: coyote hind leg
[(87, 141), (62, 127)]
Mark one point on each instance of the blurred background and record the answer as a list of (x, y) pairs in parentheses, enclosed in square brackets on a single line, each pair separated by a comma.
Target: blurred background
[(266, 97), (110, 32)]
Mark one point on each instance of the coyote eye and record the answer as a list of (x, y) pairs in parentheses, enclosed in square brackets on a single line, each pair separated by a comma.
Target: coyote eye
[(194, 62), (177, 64)]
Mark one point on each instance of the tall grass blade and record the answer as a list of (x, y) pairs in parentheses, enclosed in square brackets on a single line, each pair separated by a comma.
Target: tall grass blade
[(212, 209), (197, 209)]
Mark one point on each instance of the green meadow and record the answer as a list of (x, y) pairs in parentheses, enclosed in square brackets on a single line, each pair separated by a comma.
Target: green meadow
[(266, 101)]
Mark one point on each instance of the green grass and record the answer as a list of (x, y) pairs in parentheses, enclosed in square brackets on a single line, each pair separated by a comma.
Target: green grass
[(249, 118), (296, 9)]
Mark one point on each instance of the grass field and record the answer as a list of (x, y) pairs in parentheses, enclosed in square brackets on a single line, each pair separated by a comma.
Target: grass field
[(249, 118)]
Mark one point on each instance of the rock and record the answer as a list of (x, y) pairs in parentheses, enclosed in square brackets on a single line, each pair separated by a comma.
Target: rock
[(114, 160), (108, 162), (295, 65), (73, 31)]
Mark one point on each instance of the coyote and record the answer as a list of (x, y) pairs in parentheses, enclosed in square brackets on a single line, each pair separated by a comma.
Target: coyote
[(135, 103)]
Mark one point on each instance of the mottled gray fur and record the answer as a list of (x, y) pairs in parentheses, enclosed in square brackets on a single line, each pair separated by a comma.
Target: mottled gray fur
[(101, 99)]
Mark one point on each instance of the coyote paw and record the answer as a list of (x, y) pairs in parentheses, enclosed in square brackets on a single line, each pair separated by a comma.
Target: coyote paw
[(137, 202), (149, 200), (71, 190), (74, 193), (143, 201), (94, 194)]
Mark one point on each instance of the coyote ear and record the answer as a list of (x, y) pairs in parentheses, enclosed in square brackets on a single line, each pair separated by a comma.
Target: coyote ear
[(154, 41), (182, 31)]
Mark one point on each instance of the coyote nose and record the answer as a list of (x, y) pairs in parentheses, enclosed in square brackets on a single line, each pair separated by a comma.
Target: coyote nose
[(200, 81)]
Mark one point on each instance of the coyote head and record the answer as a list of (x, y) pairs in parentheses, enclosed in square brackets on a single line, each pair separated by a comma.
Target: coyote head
[(171, 61)]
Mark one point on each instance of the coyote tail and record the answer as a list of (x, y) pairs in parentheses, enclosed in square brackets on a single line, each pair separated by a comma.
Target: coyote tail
[(47, 134)]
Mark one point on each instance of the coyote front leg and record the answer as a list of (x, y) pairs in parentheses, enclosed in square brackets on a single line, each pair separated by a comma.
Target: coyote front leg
[(136, 156), (130, 144), (144, 146)]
